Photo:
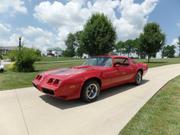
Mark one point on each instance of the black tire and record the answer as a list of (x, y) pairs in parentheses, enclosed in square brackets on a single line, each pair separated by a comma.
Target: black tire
[(90, 91), (138, 78)]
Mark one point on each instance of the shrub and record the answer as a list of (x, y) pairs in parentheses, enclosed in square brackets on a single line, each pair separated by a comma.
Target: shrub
[(24, 59)]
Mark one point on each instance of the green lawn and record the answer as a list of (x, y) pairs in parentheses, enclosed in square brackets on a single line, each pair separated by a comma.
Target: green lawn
[(161, 62), (160, 115), (12, 80)]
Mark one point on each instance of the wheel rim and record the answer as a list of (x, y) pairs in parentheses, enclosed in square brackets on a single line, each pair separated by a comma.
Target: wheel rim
[(92, 91), (138, 78)]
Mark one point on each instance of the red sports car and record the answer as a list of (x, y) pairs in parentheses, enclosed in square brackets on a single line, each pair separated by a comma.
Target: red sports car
[(86, 81)]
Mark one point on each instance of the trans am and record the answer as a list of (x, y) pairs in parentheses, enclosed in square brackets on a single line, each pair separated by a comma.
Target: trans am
[(88, 80)]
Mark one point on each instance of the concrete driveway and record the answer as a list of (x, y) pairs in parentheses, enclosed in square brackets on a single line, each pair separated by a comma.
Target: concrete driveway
[(29, 112)]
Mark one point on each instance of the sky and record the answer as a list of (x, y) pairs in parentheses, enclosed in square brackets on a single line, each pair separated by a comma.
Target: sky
[(46, 24)]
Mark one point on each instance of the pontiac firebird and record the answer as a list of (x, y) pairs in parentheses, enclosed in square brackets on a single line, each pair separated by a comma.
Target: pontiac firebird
[(88, 80)]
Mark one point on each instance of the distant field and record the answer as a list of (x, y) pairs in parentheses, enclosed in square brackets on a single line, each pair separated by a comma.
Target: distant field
[(12, 80), (160, 115)]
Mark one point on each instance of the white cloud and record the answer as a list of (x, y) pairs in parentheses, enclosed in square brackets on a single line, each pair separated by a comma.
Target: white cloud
[(31, 32), (134, 17), (12, 6), (72, 16), (38, 38), (32, 37)]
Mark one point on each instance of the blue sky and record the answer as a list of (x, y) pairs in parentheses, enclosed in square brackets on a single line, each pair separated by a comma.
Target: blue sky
[(166, 14), (45, 24)]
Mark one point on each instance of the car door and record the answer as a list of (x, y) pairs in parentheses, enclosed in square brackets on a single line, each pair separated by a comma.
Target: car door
[(110, 77), (126, 70)]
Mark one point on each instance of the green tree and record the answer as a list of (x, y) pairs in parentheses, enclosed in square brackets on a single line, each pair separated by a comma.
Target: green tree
[(137, 49), (98, 36), (70, 44), (129, 46), (152, 39), (168, 51), (38, 52), (120, 47)]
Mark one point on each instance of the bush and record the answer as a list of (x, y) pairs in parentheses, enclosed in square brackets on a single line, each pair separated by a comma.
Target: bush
[(24, 59)]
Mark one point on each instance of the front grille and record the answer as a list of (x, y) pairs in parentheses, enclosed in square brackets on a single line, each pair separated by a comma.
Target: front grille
[(48, 91)]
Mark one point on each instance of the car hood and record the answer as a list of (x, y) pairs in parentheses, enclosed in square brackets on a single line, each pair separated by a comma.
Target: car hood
[(68, 72)]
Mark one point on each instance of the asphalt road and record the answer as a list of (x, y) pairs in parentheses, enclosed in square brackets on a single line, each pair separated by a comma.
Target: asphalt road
[(29, 112)]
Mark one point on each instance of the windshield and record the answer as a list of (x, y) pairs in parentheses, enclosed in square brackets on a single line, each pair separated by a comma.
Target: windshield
[(99, 61)]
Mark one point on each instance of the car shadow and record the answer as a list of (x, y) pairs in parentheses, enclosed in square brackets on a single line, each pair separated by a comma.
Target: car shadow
[(62, 104)]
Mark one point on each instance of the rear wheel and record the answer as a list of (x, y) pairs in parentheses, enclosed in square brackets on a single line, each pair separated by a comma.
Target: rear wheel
[(138, 78), (90, 91)]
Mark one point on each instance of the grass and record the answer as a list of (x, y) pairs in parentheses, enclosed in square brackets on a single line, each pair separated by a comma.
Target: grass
[(160, 115), (12, 80), (160, 62)]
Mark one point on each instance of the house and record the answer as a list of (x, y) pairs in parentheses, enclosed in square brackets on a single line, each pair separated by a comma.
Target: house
[(54, 52)]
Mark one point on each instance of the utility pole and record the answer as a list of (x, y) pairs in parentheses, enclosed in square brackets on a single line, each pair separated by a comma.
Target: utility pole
[(19, 49), (20, 43)]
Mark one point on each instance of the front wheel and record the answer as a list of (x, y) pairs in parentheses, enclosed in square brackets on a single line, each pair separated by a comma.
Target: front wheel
[(90, 91), (138, 78)]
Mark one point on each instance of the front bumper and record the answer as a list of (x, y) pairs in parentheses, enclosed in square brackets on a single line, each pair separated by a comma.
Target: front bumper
[(44, 90), (64, 92)]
